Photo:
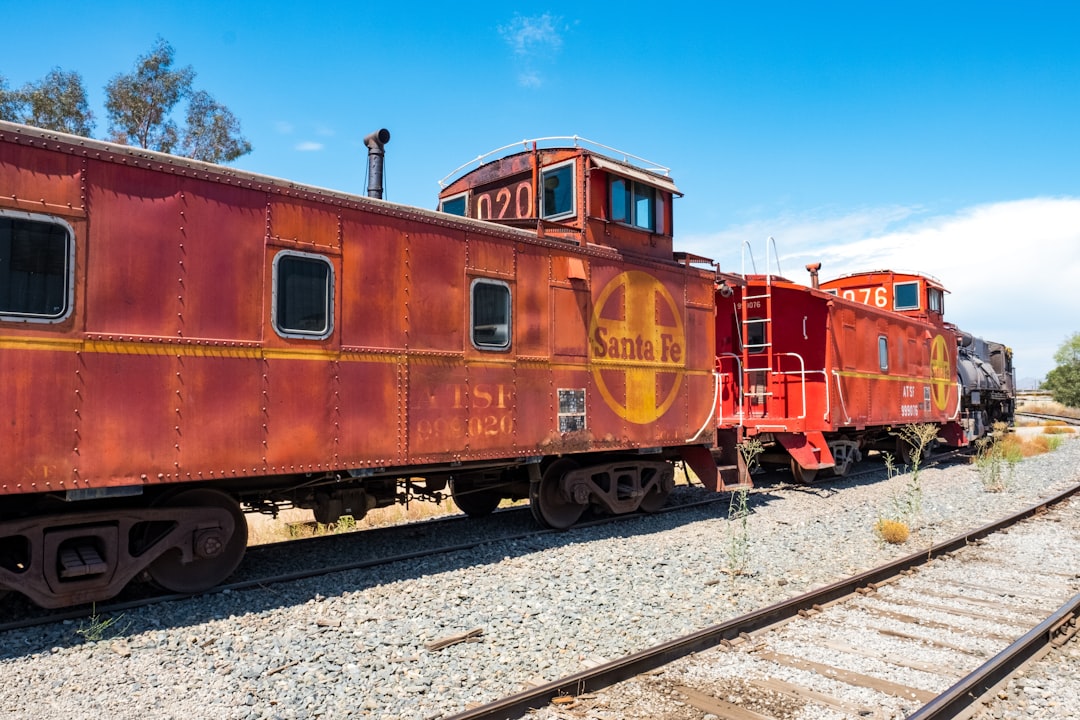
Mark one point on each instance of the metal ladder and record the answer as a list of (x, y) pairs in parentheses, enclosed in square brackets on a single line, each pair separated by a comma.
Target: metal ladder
[(757, 352), (758, 357)]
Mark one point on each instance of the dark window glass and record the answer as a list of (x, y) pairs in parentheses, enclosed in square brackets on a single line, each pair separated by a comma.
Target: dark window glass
[(303, 295), (558, 185), (490, 315), (634, 203), (35, 260), (755, 335), (620, 201), (454, 206), (906, 296)]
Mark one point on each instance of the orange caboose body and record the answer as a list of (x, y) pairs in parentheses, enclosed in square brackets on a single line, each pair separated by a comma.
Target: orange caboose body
[(821, 374), (181, 341)]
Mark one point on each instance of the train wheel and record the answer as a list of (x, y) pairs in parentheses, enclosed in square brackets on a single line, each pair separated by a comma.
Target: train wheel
[(471, 501), (546, 500), (800, 474), (213, 561)]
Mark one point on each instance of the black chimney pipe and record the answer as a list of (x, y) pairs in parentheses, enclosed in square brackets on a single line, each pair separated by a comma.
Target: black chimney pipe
[(375, 143)]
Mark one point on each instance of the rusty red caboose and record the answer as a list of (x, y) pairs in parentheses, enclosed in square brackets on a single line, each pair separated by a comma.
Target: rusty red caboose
[(180, 342), (819, 374)]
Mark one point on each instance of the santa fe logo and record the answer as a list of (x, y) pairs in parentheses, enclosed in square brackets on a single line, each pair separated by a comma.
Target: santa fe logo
[(637, 346)]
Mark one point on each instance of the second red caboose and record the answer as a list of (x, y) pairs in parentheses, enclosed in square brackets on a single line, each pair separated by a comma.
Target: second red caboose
[(820, 374)]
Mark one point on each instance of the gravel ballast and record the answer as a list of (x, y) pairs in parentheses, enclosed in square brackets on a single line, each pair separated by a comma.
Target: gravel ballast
[(355, 644)]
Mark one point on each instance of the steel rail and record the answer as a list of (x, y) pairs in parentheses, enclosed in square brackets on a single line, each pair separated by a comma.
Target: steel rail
[(657, 656), (81, 612), (961, 696), (1046, 416)]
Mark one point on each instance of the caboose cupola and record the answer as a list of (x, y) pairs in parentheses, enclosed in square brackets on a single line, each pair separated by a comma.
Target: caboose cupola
[(570, 192), (916, 295)]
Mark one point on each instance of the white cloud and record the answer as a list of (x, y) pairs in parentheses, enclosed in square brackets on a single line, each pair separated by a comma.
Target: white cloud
[(530, 79), (309, 146), (283, 127), (532, 35), (1013, 268), (535, 41)]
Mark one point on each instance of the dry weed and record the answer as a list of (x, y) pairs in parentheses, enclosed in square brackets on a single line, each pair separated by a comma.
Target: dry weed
[(892, 531)]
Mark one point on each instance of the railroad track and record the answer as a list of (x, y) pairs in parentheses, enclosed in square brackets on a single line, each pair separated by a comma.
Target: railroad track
[(1068, 420), (936, 630), (293, 560), (276, 563)]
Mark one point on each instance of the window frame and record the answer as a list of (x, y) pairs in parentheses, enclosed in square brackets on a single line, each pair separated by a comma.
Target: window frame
[(883, 352), (896, 299), (486, 346), (463, 196), (330, 297), (939, 294), (756, 335), (634, 191), (69, 270), (544, 171)]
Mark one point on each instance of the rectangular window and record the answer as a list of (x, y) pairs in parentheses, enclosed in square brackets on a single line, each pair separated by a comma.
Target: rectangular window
[(620, 201), (35, 268), (490, 311), (303, 295), (906, 296), (755, 335), (456, 205), (937, 300), (636, 204), (558, 191), (644, 206), (883, 352)]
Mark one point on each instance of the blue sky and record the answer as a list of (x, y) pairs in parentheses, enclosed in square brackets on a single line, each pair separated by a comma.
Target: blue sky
[(940, 137)]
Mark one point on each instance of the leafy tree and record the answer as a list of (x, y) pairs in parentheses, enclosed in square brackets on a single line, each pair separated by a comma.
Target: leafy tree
[(1064, 380), (140, 106), (213, 132), (10, 102), (57, 102)]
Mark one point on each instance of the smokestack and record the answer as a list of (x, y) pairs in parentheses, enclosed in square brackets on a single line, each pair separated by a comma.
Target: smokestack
[(813, 268), (375, 143)]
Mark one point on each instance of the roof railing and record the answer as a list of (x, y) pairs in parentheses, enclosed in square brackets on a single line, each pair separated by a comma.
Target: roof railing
[(560, 141)]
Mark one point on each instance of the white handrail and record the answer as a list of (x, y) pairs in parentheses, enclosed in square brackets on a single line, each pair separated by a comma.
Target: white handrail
[(802, 373), (577, 141), (713, 409), (840, 394)]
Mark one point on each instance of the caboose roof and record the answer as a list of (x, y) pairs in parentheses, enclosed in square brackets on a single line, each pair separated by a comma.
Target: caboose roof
[(877, 276), (600, 155)]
